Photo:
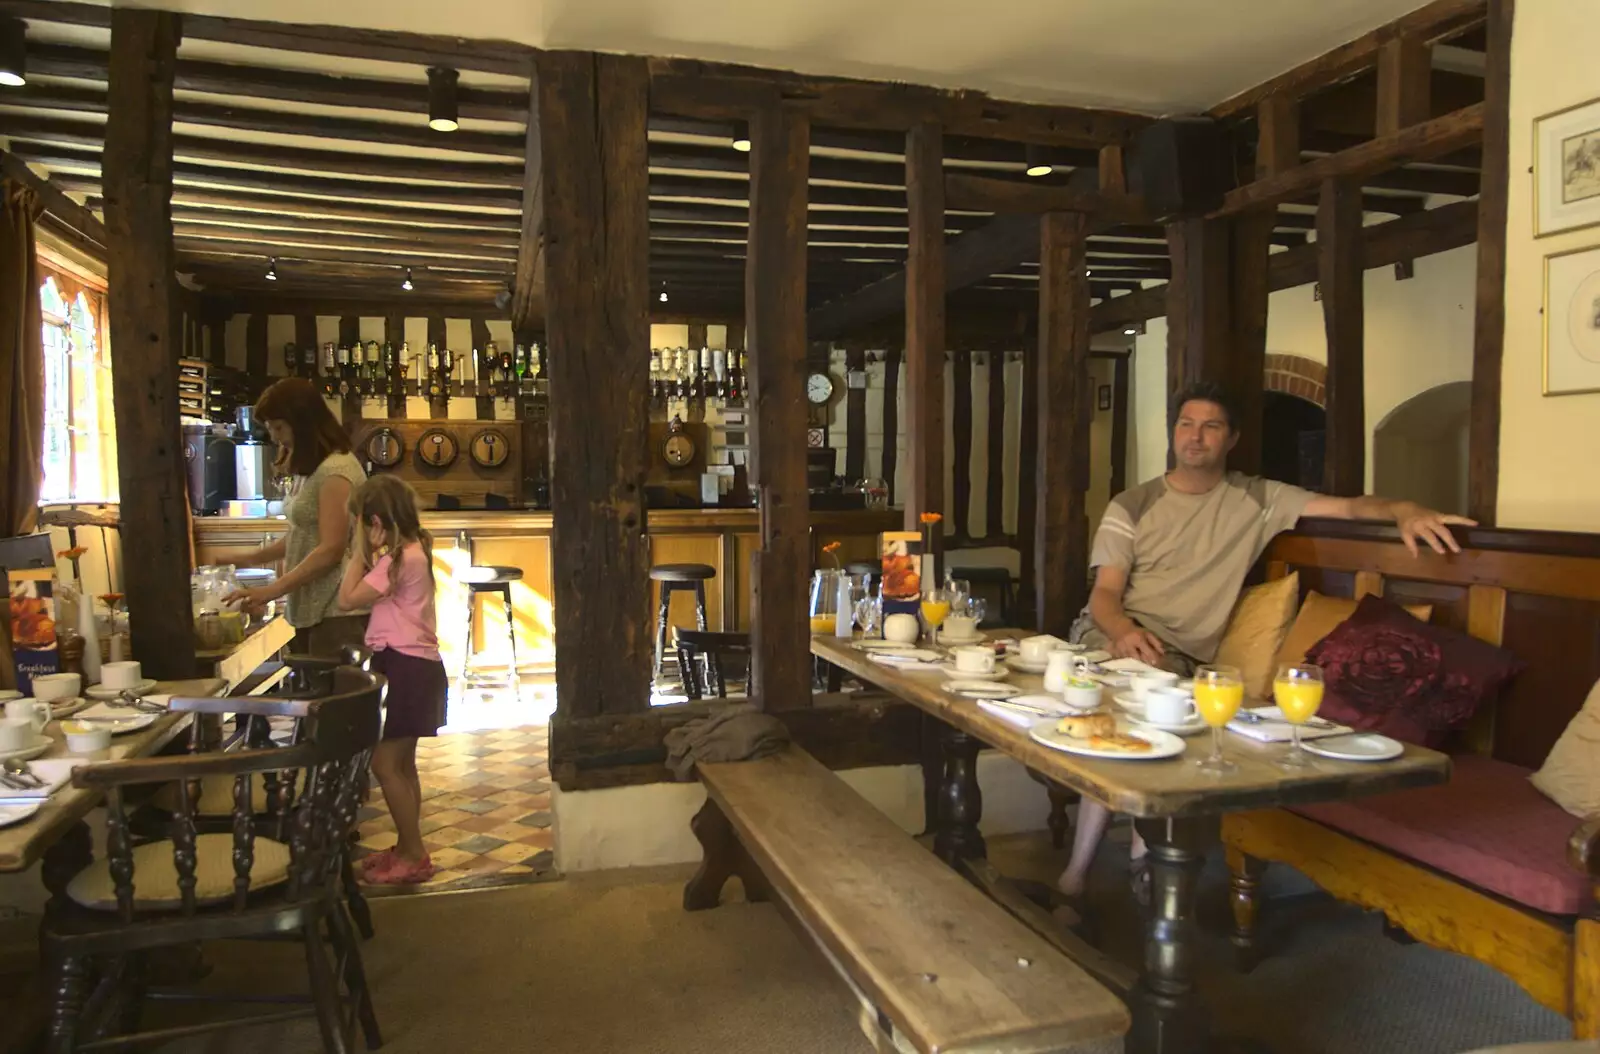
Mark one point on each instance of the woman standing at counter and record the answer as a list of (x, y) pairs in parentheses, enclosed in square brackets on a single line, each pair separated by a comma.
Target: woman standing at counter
[(314, 449)]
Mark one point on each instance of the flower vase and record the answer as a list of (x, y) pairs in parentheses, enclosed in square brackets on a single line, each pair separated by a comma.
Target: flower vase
[(91, 641)]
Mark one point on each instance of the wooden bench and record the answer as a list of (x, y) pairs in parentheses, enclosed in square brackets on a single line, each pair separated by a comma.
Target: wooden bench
[(1484, 866), (938, 966)]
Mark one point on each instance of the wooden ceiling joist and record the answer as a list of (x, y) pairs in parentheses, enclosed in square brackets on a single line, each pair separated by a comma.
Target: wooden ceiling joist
[(56, 203), (288, 241), (991, 194), (252, 222), (199, 248), (279, 206)]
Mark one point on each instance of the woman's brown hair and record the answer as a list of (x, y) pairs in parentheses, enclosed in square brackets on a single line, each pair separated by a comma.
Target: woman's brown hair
[(317, 433), (393, 503)]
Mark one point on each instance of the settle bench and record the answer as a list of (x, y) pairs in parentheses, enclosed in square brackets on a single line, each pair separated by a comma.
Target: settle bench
[(1484, 865), (939, 967)]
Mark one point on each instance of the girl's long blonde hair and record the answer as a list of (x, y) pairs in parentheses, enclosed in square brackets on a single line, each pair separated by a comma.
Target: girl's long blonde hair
[(393, 501)]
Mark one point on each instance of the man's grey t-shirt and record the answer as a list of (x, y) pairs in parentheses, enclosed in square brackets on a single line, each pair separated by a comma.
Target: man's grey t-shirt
[(1187, 554)]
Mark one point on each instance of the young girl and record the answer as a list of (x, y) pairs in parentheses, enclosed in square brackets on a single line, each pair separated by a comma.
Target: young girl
[(391, 570)]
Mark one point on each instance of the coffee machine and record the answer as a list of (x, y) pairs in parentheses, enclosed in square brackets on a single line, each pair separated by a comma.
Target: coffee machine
[(208, 453), (252, 457)]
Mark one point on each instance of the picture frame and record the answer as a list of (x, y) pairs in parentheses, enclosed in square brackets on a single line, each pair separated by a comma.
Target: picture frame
[(1572, 322), (1566, 169)]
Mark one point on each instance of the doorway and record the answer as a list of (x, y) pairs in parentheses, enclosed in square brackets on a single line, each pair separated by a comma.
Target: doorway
[(1419, 449), (1294, 431)]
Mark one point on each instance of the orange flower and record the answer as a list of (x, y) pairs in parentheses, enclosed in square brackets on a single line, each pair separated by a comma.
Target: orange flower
[(930, 517), (73, 553), (832, 547), (111, 600)]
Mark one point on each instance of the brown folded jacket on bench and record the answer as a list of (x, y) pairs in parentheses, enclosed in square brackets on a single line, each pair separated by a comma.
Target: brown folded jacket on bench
[(737, 733)]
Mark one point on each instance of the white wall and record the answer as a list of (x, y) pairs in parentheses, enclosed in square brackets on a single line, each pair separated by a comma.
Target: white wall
[(1549, 474), (1418, 336)]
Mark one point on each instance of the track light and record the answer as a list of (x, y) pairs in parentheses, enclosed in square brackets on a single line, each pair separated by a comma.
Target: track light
[(272, 268), (442, 113), (1038, 163), (741, 136), (13, 52), (406, 284)]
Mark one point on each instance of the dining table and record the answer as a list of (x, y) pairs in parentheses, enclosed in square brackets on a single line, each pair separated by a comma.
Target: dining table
[(1172, 801), (57, 833)]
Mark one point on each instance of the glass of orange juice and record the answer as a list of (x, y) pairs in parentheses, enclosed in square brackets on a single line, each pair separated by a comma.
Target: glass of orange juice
[(935, 609), (1298, 692), (1218, 691)]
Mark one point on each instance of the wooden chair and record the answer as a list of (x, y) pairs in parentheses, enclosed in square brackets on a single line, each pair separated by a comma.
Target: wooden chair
[(249, 883), (713, 647)]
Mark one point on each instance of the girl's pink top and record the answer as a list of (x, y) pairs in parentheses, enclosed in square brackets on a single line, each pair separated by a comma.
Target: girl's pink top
[(403, 618)]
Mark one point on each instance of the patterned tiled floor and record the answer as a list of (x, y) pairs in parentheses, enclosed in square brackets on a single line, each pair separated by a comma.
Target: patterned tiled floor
[(485, 810)]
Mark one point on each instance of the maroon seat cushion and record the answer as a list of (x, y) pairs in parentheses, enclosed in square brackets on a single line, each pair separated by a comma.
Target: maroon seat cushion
[(1391, 673), (1487, 827)]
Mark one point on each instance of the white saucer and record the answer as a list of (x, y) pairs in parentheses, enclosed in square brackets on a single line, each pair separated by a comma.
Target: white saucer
[(39, 745), (1357, 746), (879, 644), (981, 689), (10, 814), (67, 707), (101, 692), (999, 673), (1017, 662), (976, 638), (1195, 725)]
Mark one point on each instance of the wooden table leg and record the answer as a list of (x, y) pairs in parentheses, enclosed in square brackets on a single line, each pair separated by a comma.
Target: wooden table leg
[(1168, 1017), (960, 800)]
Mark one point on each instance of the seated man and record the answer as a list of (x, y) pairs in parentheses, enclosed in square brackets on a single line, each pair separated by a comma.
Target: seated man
[(1171, 555)]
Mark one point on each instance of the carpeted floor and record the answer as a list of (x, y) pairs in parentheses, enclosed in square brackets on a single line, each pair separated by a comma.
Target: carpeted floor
[(609, 963)]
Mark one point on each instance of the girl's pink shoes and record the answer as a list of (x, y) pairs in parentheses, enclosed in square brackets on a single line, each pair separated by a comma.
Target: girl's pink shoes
[(397, 871)]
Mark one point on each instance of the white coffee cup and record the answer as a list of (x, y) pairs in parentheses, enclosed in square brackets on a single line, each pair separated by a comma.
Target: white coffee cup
[(975, 660), (1038, 649), (16, 733), (35, 711), (1143, 682), (54, 687), (901, 628), (1168, 705), (960, 627), (119, 675)]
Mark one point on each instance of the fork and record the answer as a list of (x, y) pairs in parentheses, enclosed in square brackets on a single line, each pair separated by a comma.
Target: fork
[(1253, 718)]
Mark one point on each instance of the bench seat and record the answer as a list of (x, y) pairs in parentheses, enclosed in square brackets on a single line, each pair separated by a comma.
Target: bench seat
[(1488, 827), (948, 968)]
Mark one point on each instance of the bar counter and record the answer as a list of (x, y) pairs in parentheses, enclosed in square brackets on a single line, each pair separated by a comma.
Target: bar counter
[(722, 538)]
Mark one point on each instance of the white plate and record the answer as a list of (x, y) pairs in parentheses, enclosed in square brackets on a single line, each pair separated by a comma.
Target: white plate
[(1018, 663), (100, 691), (1195, 725), (981, 689), (1357, 746), (119, 724), (1163, 744), (879, 644), (999, 673), (39, 745), (10, 814), (67, 707)]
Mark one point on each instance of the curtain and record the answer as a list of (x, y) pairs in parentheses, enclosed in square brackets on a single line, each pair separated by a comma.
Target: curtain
[(21, 378)]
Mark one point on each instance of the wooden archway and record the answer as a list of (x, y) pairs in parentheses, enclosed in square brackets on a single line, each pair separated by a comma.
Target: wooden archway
[(1298, 376)]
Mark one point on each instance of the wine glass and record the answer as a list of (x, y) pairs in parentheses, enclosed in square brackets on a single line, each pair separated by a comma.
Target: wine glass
[(1218, 691), (1297, 690), (869, 616), (935, 609)]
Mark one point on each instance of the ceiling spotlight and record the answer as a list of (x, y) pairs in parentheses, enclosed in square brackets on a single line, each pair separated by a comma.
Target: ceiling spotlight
[(272, 268), (663, 296), (741, 136), (1038, 163), (406, 285), (1130, 331), (442, 113), (13, 53)]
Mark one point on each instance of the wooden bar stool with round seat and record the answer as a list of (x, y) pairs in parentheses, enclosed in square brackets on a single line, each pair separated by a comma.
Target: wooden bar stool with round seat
[(491, 578), (675, 577)]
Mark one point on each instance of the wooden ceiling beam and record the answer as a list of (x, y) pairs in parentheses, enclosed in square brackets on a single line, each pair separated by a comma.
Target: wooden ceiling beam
[(195, 247), (283, 207), (719, 91), (62, 132), (663, 186), (1431, 22), (706, 212), (262, 82), (66, 211), (357, 299), (224, 237), (694, 157), (232, 220), (1032, 196)]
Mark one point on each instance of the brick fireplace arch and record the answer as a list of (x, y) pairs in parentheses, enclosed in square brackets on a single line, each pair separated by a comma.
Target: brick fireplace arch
[(1298, 376)]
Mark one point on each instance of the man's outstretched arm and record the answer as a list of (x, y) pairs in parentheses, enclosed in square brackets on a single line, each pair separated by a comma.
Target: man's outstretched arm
[(1416, 522)]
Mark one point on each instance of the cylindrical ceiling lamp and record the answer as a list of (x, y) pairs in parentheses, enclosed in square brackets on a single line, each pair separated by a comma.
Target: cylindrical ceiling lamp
[(443, 115), (13, 52), (741, 136), (1038, 163)]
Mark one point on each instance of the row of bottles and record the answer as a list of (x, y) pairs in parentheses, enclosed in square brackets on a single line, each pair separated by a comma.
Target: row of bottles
[(678, 374), (370, 369)]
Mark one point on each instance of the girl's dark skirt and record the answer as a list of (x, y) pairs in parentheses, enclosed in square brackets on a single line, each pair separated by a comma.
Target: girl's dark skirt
[(417, 691)]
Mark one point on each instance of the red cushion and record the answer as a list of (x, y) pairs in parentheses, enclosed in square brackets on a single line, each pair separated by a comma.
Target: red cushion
[(1487, 827), (1391, 673)]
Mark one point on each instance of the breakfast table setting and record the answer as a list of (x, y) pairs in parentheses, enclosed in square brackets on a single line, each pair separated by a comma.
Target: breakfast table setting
[(1172, 752)]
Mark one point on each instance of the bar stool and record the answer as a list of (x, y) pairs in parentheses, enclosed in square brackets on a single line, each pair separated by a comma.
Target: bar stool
[(674, 577), (491, 578)]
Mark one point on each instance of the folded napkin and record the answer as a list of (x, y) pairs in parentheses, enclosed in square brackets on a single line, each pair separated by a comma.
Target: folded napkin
[(1274, 729), (52, 772), (904, 661), (1010, 714)]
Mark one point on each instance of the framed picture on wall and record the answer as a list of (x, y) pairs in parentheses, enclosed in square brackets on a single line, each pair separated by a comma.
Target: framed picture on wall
[(1566, 169), (1572, 322)]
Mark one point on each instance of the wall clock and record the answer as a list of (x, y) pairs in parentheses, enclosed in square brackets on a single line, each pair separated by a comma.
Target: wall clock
[(819, 388), (437, 448), (490, 448)]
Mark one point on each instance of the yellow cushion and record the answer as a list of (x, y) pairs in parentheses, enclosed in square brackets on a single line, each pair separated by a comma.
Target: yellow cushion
[(1319, 616), (1256, 628), (155, 877), (216, 794), (1570, 776)]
